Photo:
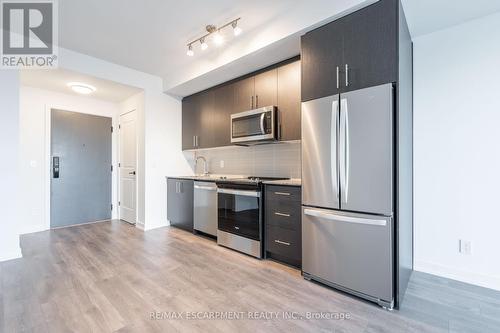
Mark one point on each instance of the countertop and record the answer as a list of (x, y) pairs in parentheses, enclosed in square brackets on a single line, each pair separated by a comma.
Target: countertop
[(286, 182), (214, 178), (209, 178)]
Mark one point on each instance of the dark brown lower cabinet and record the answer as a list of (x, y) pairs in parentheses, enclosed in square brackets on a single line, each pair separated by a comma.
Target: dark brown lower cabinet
[(283, 233)]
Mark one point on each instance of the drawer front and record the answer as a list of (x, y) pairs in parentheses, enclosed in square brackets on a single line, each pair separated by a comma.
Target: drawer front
[(283, 193), (283, 214), (284, 242)]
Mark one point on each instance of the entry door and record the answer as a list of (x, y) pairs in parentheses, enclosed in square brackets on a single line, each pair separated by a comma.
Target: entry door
[(128, 166), (81, 168)]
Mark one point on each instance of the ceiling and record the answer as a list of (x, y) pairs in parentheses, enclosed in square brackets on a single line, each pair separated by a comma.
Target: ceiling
[(151, 36), (426, 16), (57, 80)]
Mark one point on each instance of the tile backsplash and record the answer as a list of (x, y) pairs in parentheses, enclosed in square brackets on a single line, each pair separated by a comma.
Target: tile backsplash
[(272, 160)]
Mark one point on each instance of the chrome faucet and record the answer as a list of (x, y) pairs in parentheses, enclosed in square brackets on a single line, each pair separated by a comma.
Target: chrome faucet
[(205, 166)]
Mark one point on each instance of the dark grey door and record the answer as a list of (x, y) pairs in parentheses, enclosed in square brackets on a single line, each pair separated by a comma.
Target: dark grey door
[(366, 150), (81, 168)]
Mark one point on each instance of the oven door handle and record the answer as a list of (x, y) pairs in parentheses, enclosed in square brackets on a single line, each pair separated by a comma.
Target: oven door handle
[(255, 194)]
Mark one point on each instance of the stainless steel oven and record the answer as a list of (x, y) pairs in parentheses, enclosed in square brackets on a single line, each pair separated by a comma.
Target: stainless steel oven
[(239, 217), (254, 126)]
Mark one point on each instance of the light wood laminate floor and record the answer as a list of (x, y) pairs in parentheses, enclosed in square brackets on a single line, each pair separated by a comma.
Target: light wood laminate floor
[(110, 276)]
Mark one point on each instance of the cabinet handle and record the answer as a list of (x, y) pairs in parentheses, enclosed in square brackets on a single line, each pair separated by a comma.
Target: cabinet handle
[(282, 214), (281, 193), (281, 242), (251, 107), (338, 79), (194, 141), (346, 75), (256, 101)]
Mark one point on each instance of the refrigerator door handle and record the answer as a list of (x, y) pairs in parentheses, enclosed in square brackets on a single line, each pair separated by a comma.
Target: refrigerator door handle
[(342, 218), (347, 151), (342, 149), (333, 145)]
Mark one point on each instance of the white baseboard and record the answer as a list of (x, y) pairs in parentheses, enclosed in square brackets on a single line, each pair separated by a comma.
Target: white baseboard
[(10, 255), (487, 281)]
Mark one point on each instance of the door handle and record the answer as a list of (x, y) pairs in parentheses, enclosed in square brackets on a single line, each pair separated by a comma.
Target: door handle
[(262, 120), (255, 194), (132, 173), (55, 167), (342, 218), (338, 79), (333, 146), (344, 147), (282, 214), (346, 75), (208, 188), (344, 150)]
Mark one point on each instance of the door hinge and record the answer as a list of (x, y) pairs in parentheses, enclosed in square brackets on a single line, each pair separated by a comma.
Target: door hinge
[(111, 206), (119, 165), (111, 168), (119, 203), (119, 126), (111, 129)]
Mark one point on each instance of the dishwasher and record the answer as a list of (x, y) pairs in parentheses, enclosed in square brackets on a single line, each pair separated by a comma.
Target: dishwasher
[(205, 207)]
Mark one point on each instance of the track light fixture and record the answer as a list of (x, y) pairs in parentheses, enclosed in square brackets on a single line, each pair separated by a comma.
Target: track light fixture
[(190, 51), (214, 33)]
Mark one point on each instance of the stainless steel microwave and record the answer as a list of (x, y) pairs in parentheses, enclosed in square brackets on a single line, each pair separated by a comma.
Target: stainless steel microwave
[(254, 126)]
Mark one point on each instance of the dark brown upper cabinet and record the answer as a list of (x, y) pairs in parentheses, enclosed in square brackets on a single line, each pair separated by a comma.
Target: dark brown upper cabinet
[(322, 56), (289, 101), (206, 136), (371, 46), (206, 116), (244, 98), (266, 88), (356, 51), (190, 122), (197, 121), (223, 108)]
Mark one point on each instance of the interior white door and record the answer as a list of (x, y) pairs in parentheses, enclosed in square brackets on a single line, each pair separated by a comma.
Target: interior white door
[(128, 166)]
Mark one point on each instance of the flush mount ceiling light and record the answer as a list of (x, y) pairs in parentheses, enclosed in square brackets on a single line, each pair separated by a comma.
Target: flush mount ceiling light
[(81, 88), (214, 33)]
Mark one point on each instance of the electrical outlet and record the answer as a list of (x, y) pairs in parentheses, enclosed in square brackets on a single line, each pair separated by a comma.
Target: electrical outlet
[(222, 164), (465, 246)]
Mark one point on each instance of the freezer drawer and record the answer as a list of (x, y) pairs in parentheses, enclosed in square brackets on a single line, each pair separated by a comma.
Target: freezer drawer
[(353, 252)]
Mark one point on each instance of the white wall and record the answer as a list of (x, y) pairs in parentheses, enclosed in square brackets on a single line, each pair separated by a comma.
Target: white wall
[(34, 149), (164, 155), (159, 132), (457, 151), (9, 141)]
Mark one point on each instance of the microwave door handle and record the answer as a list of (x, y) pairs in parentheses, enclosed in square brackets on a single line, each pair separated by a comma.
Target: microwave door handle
[(262, 119)]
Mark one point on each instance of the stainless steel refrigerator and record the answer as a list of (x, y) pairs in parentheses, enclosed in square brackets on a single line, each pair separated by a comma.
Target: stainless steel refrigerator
[(348, 192)]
